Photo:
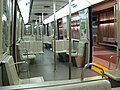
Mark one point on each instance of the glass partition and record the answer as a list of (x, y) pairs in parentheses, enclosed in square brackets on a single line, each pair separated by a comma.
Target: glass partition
[(23, 29), (10, 21), (20, 27), (75, 26), (5, 28), (28, 29), (65, 30), (84, 24), (1, 6), (17, 24), (35, 30), (50, 29)]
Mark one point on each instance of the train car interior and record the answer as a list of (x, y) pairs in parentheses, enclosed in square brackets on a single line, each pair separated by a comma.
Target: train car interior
[(59, 45)]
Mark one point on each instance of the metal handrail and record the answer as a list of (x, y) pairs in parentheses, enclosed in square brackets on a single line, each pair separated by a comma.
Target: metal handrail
[(110, 61), (22, 62), (90, 64)]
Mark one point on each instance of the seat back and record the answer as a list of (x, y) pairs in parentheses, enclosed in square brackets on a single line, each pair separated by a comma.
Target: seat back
[(81, 46), (59, 45), (66, 45), (36, 47), (46, 39), (25, 45), (20, 51), (33, 47), (11, 71)]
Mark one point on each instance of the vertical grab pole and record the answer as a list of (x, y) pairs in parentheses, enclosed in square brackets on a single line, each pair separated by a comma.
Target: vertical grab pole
[(115, 20), (37, 34), (42, 32), (32, 30), (118, 33), (115, 28), (14, 13), (39, 29), (54, 10), (69, 39)]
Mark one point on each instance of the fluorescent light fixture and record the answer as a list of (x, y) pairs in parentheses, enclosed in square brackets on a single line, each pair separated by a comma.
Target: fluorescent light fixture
[(24, 6), (76, 5)]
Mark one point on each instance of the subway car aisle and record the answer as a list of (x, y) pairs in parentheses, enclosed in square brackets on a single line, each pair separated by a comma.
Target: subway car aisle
[(59, 44), (43, 66)]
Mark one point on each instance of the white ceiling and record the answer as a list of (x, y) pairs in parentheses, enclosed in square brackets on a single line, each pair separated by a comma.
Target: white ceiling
[(38, 7)]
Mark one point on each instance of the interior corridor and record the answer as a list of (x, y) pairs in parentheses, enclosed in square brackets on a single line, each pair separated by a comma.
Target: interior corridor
[(43, 65)]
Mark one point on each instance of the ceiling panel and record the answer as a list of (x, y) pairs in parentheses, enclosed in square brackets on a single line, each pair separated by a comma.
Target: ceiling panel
[(45, 6)]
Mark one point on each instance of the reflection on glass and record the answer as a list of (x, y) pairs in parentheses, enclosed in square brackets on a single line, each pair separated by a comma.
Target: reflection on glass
[(17, 25), (83, 24), (75, 26), (35, 30), (28, 30), (5, 26)]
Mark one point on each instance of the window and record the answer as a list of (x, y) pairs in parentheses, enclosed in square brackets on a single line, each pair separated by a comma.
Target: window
[(28, 30), (5, 23)]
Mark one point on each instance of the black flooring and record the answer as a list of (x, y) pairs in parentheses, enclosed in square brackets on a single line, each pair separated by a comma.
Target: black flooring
[(43, 65)]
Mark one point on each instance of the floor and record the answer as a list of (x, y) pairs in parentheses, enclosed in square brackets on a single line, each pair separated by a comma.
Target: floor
[(103, 55), (43, 65)]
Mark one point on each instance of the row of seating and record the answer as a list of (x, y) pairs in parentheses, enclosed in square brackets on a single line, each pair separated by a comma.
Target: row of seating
[(61, 46), (32, 47), (27, 50), (48, 39)]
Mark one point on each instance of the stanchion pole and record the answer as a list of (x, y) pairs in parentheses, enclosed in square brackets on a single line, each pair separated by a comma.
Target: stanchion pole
[(118, 33), (54, 10), (69, 39), (42, 37)]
